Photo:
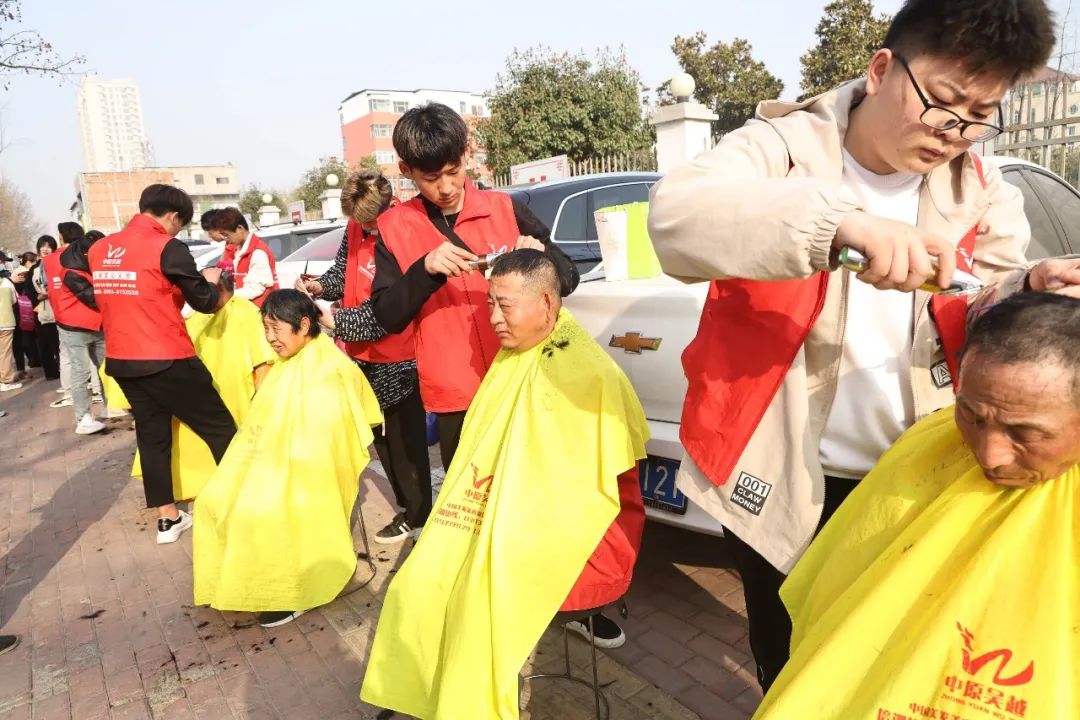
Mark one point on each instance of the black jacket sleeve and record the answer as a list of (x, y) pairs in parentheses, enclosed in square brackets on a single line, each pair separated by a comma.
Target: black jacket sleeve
[(73, 257), (82, 288), (398, 296), (179, 266), (333, 280), (529, 224)]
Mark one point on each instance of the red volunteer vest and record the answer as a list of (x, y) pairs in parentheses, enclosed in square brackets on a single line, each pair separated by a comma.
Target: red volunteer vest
[(359, 272), (748, 337), (607, 576), (68, 309), (140, 306), (455, 343), (243, 262)]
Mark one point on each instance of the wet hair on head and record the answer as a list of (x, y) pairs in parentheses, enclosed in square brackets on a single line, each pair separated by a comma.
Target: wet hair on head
[(1029, 328), (1011, 37), (291, 307), (430, 137), (534, 266)]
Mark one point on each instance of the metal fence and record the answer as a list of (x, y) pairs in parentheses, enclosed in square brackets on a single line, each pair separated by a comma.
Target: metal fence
[(643, 161)]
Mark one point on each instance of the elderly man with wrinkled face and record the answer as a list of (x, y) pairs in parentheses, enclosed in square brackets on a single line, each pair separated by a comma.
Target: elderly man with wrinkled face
[(947, 581)]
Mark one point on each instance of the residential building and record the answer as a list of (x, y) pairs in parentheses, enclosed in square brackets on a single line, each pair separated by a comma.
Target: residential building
[(111, 124), (108, 200), (1042, 112), (368, 118)]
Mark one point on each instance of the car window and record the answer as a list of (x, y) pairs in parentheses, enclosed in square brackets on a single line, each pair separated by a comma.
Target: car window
[(323, 247), (274, 242), (604, 197), (1044, 238), (1064, 202), (570, 226)]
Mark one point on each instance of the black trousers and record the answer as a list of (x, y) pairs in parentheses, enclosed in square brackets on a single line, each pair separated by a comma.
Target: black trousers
[(24, 345), (48, 344), (401, 443), (185, 391), (770, 625), (449, 425)]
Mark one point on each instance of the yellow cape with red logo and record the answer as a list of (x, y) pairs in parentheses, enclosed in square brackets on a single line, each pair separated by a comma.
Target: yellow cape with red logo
[(933, 593), (531, 492), (231, 343), (272, 525)]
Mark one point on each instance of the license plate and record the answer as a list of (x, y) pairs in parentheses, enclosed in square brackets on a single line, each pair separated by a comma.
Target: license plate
[(657, 479)]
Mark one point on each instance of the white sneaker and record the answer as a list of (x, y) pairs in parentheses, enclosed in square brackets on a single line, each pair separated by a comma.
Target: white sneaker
[(61, 391), (6, 387), (65, 401), (114, 413), (88, 425), (168, 531), (97, 400)]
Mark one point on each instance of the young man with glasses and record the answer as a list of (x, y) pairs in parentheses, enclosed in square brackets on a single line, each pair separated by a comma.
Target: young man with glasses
[(802, 373)]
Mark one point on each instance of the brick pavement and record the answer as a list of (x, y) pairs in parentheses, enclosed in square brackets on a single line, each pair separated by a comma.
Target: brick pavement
[(109, 630)]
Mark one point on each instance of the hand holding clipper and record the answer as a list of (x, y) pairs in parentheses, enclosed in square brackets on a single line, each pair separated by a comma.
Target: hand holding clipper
[(962, 282)]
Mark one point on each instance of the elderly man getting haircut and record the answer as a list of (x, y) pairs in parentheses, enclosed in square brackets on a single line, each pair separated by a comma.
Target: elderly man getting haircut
[(946, 585), (540, 512)]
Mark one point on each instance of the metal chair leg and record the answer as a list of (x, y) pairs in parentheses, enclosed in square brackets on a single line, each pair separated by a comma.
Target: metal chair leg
[(595, 672)]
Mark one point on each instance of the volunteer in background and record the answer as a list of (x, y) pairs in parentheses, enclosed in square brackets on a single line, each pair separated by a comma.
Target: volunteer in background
[(142, 276), (388, 361), (253, 265)]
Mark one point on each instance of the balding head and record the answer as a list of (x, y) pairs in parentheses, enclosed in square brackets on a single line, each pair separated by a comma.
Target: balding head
[(524, 298), (1018, 403)]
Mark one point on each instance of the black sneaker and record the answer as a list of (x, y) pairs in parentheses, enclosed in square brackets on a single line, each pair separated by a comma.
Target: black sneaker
[(8, 643), (397, 531), (608, 634), (277, 618)]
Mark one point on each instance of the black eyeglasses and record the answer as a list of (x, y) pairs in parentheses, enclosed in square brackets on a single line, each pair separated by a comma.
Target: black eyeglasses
[(942, 118)]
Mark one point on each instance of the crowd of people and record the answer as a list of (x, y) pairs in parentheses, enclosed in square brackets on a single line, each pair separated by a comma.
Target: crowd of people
[(875, 450)]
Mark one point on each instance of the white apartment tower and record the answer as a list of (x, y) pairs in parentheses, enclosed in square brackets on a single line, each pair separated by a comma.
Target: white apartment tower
[(111, 122)]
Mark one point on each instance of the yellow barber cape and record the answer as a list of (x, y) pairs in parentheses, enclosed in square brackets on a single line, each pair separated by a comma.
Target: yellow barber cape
[(114, 396), (531, 492), (231, 344), (933, 593), (272, 525)]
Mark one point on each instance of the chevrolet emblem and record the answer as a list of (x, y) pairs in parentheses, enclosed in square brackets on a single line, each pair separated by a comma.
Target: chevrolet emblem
[(632, 342)]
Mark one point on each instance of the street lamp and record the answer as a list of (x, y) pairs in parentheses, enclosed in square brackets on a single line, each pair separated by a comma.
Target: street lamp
[(331, 180), (267, 198), (682, 87)]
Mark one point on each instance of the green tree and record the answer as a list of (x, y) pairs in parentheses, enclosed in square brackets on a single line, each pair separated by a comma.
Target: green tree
[(368, 162), (548, 104), (729, 80), (848, 36), (19, 227), (25, 51), (252, 199), (313, 183)]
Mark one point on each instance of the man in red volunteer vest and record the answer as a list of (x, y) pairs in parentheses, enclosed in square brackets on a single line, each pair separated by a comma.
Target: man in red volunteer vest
[(388, 361), (142, 277), (78, 320), (426, 273), (803, 373), (254, 265)]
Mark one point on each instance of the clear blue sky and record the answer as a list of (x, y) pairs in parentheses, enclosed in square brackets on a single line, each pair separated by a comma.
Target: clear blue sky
[(258, 84)]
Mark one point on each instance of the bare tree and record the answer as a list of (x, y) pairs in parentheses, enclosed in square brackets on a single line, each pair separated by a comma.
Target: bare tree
[(19, 227), (24, 51)]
